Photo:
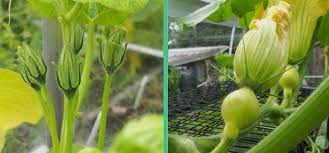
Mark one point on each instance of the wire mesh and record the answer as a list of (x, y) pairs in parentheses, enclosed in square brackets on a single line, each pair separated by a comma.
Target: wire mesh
[(197, 113)]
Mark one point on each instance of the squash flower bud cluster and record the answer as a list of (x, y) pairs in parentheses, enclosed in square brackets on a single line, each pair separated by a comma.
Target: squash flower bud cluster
[(112, 50), (31, 66), (304, 16), (261, 55), (68, 71)]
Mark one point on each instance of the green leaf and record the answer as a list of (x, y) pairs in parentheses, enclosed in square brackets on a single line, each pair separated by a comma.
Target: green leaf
[(245, 21), (110, 17), (241, 7), (223, 13), (322, 142), (152, 7), (128, 6), (19, 103), (90, 150), (180, 144), (181, 8), (143, 135), (323, 30), (45, 7), (202, 13), (225, 60)]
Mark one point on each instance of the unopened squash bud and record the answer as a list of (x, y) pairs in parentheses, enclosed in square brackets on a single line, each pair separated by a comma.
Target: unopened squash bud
[(305, 14), (77, 38), (31, 66), (289, 80), (261, 55), (112, 50), (68, 71)]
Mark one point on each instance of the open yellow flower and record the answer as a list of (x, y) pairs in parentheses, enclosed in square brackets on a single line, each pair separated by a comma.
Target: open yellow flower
[(18, 103), (304, 16)]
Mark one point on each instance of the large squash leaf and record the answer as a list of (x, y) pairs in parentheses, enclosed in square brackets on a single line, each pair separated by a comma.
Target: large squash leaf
[(223, 13), (45, 7), (241, 7), (110, 17), (129, 6), (202, 13), (18, 103)]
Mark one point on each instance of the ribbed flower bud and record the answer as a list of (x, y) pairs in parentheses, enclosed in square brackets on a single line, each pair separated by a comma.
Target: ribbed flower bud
[(261, 56), (77, 38), (31, 66), (112, 50), (305, 14), (68, 71)]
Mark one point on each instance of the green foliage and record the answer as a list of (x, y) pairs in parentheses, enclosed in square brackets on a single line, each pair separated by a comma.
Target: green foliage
[(225, 59), (110, 17), (144, 135), (202, 13), (20, 29), (323, 30), (90, 150), (241, 7), (246, 19), (178, 144), (223, 13), (174, 81), (45, 7), (129, 6)]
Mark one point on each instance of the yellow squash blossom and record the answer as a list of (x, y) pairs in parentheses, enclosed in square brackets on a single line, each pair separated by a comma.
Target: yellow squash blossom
[(261, 55), (304, 16)]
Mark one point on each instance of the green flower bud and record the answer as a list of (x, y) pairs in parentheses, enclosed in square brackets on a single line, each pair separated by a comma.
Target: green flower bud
[(68, 71), (77, 38), (31, 66), (112, 50), (262, 54)]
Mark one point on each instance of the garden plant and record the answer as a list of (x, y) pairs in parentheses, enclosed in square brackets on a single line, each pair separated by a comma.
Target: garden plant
[(272, 56), (72, 70)]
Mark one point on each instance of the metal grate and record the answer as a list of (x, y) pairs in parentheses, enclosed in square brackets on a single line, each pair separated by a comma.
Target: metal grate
[(197, 113)]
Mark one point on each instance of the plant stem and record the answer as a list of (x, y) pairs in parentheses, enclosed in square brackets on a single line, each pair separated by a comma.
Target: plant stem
[(105, 102), (67, 125), (298, 125), (52, 123), (87, 64), (224, 145), (73, 12)]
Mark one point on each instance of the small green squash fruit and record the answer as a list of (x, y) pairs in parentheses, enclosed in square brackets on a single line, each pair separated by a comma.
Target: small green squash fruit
[(289, 80), (239, 110)]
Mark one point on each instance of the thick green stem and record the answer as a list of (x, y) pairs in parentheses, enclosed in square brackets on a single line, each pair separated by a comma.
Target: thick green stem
[(87, 64), (299, 124), (52, 124), (67, 126), (105, 103), (224, 145)]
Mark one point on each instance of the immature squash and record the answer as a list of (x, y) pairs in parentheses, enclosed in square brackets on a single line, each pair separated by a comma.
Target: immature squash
[(239, 110), (289, 80), (261, 55)]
